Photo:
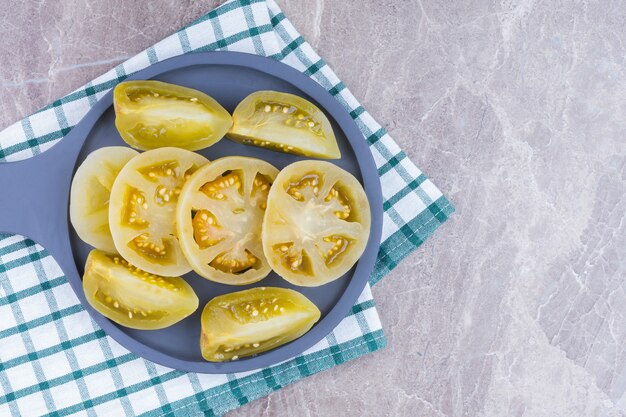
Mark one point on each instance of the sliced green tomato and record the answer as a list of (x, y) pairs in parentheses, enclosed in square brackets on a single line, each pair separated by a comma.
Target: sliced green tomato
[(91, 191), (219, 216), (142, 212), (317, 223), (152, 114), (252, 321), (286, 123), (134, 298)]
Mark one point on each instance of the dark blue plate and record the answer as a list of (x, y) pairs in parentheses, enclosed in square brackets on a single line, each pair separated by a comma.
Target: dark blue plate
[(35, 199)]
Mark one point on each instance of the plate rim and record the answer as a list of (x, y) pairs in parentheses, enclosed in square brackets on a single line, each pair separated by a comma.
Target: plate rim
[(371, 184)]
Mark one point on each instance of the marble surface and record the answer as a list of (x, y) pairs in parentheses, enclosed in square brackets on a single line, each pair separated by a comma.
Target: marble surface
[(517, 111)]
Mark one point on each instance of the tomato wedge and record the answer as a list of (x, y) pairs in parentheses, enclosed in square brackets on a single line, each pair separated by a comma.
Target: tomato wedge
[(286, 123), (317, 223), (134, 298), (219, 217), (91, 191), (252, 321), (142, 212), (152, 114)]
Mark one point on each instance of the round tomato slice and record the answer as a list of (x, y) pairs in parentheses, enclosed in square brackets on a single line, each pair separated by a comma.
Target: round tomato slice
[(90, 193), (316, 224), (219, 217), (286, 123), (152, 114), (134, 298), (143, 205), (252, 321)]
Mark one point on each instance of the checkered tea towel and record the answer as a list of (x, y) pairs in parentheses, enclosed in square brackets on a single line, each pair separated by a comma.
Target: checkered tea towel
[(55, 361)]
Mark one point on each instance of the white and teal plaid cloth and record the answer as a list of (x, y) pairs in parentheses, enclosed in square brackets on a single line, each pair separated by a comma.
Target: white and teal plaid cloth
[(55, 361)]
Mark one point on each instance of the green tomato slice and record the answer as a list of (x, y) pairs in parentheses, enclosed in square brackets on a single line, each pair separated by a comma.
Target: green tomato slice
[(249, 322), (142, 210), (91, 192), (286, 123), (134, 298), (317, 223), (152, 114), (218, 219)]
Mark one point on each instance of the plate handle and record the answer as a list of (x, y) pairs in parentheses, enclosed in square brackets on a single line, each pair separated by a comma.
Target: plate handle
[(34, 197)]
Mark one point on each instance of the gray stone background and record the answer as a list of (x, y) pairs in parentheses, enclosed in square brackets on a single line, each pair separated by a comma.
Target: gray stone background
[(517, 111)]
